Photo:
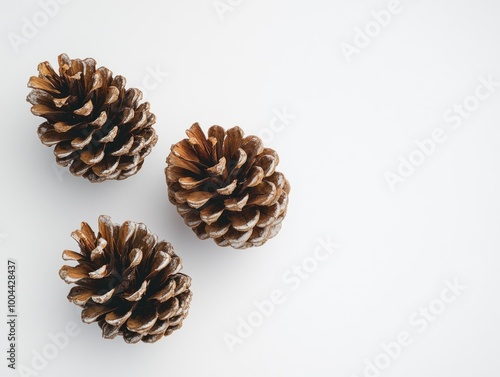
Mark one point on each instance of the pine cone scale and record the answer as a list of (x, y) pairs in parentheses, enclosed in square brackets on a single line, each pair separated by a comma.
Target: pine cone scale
[(109, 331), (117, 318), (39, 83)]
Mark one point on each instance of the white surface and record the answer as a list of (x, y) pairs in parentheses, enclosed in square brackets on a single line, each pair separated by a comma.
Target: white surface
[(352, 122)]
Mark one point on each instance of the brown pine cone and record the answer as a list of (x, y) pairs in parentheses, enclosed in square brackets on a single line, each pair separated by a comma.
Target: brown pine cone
[(226, 187), (127, 281), (97, 126)]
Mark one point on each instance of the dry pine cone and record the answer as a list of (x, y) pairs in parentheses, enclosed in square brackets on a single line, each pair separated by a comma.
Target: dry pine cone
[(97, 126), (127, 281), (226, 187)]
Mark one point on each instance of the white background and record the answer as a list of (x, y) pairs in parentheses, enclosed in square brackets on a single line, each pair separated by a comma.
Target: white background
[(352, 122)]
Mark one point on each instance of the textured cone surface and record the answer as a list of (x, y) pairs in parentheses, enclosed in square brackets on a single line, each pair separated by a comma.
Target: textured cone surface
[(127, 281), (99, 128), (226, 186)]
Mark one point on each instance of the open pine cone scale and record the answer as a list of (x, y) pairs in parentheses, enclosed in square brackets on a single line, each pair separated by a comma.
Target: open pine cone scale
[(127, 281), (226, 186)]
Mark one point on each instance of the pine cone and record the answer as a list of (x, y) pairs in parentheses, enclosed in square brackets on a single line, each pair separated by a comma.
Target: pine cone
[(96, 124), (226, 187), (127, 281)]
